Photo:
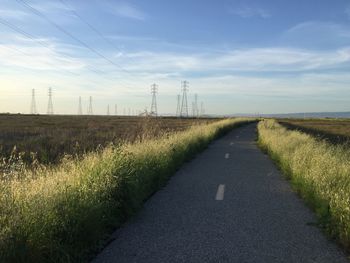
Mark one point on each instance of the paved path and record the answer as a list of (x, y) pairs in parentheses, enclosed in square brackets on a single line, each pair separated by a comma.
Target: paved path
[(230, 204)]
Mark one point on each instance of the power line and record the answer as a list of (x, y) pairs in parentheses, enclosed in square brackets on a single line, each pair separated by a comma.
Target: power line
[(94, 29), (32, 37), (40, 14)]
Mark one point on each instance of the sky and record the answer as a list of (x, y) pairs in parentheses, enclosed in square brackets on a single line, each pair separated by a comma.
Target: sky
[(239, 56)]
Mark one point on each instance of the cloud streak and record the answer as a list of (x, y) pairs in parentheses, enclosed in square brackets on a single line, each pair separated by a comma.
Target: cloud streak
[(274, 59), (347, 11), (249, 12), (127, 10)]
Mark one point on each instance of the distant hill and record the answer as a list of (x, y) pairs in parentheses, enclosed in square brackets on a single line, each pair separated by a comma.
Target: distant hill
[(312, 115), (303, 115)]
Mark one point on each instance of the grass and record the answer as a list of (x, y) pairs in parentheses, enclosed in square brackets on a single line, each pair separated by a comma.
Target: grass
[(63, 214), (46, 139), (336, 131), (319, 172)]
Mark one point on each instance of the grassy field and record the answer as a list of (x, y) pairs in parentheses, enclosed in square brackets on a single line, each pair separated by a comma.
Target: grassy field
[(63, 213), (319, 172), (333, 130), (46, 139)]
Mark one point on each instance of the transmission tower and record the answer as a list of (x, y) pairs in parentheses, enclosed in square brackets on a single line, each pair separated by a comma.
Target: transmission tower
[(49, 105), (154, 89), (108, 110), (89, 112), (196, 111), (33, 104), (178, 105), (193, 110), (184, 107), (202, 109), (80, 108), (115, 109)]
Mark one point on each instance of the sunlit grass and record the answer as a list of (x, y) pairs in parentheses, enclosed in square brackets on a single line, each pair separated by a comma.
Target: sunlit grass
[(318, 170), (60, 214)]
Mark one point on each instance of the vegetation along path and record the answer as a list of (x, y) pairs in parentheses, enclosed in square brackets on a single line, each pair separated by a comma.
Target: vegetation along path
[(230, 204)]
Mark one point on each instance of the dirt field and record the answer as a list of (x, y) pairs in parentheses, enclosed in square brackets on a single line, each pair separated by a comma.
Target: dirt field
[(50, 137), (333, 130)]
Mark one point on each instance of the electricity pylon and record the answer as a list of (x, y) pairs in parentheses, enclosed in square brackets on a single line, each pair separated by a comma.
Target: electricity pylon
[(80, 108), (90, 112), (108, 109), (115, 109), (154, 89), (50, 105), (33, 104), (195, 106), (178, 105), (184, 106), (193, 110), (202, 109)]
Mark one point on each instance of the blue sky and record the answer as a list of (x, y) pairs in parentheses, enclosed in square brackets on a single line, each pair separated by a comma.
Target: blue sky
[(238, 56)]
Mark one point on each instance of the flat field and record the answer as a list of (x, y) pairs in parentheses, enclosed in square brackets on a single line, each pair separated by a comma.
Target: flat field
[(333, 130), (47, 139)]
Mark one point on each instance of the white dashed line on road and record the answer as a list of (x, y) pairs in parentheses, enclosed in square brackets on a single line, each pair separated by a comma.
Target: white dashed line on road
[(227, 155), (220, 193), (232, 143)]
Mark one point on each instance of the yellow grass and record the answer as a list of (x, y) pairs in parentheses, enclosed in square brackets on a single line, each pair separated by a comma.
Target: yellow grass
[(319, 171), (60, 214)]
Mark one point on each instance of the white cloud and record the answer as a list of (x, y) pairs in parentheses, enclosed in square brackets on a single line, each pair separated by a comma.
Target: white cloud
[(52, 7), (13, 14), (16, 51), (319, 26), (347, 11), (272, 59), (125, 9), (248, 12), (317, 34)]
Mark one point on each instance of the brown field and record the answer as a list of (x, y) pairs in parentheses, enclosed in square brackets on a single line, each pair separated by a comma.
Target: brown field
[(46, 138), (333, 130)]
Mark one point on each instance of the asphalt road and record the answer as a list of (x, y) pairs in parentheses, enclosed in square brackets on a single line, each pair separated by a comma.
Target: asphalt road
[(229, 204)]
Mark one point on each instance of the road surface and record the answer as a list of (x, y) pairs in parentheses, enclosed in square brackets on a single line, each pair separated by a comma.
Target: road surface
[(229, 204)]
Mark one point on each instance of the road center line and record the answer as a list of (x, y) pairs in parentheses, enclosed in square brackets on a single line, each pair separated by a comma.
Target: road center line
[(227, 155), (220, 193)]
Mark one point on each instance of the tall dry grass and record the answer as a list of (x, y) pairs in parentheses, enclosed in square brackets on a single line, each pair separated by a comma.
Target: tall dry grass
[(61, 214), (319, 171)]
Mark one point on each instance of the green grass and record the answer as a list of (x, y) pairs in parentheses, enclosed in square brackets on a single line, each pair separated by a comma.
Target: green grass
[(63, 214), (319, 172)]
